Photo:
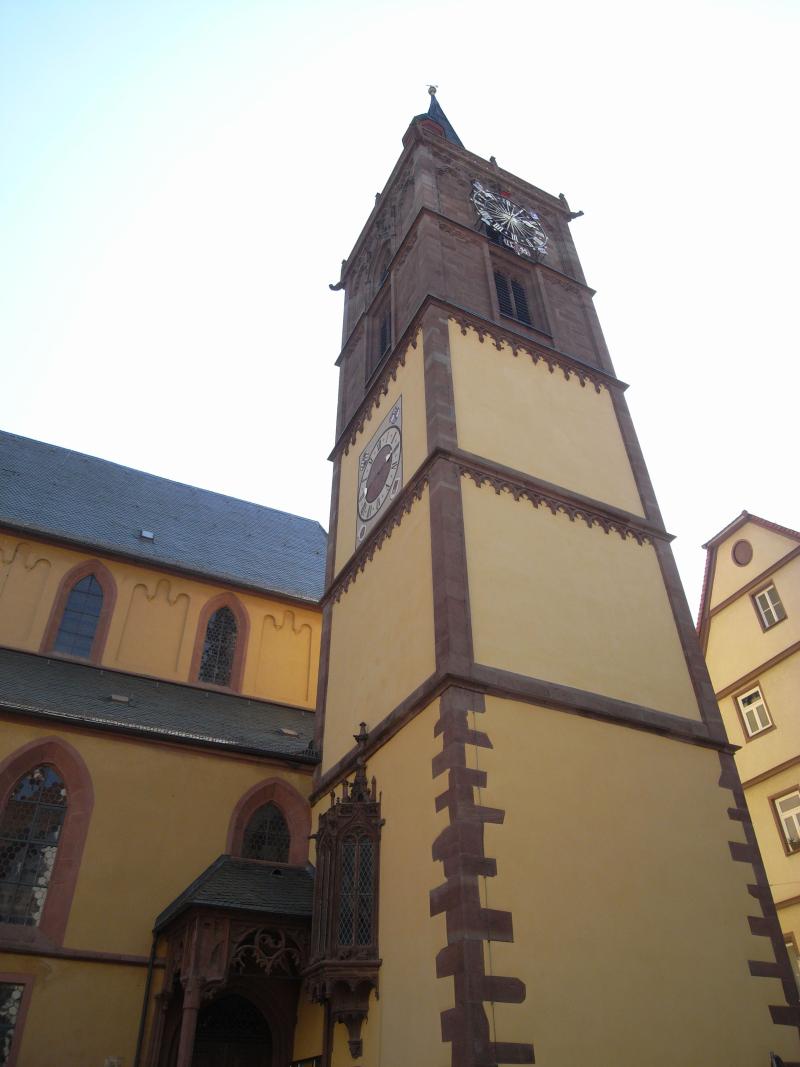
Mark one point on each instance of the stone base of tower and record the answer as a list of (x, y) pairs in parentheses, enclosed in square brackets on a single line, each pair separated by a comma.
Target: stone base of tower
[(561, 889)]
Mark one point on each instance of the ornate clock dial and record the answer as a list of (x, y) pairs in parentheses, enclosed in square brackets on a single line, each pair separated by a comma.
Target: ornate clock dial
[(379, 472), (515, 226)]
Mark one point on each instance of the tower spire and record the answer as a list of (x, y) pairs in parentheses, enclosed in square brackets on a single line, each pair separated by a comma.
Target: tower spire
[(435, 112)]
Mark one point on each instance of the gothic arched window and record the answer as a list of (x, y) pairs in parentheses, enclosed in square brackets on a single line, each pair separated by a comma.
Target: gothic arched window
[(81, 612), (266, 836), (80, 618), (30, 828), (219, 648)]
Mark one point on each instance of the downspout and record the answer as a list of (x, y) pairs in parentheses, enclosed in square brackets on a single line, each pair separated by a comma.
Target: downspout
[(145, 1001)]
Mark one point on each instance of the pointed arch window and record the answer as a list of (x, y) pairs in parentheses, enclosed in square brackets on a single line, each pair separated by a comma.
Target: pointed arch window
[(219, 648), (81, 617), (30, 830), (81, 612), (266, 836)]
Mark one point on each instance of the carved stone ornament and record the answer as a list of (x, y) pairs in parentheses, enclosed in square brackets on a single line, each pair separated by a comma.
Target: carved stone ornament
[(344, 964)]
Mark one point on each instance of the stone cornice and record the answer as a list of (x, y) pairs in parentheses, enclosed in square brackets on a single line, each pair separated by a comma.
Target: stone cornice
[(556, 498), (529, 690), (502, 479), (465, 319), (400, 508)]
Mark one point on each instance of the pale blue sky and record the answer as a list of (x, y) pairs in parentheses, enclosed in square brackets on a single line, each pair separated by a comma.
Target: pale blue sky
[(181, 180)]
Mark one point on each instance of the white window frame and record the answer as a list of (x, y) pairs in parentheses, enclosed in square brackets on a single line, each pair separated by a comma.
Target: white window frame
[(755, 713), (789, 819), (769, 607)]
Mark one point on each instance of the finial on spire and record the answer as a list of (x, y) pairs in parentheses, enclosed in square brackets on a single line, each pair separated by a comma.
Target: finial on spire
[(432, 89)]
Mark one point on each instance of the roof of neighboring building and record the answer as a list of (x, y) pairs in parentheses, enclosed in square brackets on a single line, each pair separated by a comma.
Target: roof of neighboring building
[(246, 885), (55, 492), (58, 689), (711, 548)]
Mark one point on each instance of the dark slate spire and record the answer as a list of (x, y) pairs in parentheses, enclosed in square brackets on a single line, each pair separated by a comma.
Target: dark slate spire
[(435, 112)]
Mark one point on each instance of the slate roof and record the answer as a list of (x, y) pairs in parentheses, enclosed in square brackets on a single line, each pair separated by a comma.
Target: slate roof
[(52, 491), (73, 692), (246, 885), (436, 113)]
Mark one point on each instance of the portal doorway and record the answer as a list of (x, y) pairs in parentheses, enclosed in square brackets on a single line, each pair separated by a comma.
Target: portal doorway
[(232, 1032)]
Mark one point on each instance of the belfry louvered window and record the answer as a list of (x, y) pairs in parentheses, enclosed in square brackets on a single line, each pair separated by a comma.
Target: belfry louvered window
[(511, 298), (30, 828), (78, 625), (219, 648), (385, 334), (266, 836)]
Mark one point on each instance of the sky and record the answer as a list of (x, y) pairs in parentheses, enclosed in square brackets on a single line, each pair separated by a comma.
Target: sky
[(180, 181)]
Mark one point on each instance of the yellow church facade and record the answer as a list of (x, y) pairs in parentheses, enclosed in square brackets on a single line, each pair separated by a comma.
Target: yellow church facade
[(449, 786)]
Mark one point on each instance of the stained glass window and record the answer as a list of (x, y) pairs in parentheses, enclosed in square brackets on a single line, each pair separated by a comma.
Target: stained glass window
[(219, 648), (356, 892), (81, 616), (30, 827), (10, 1003), (266, 836)]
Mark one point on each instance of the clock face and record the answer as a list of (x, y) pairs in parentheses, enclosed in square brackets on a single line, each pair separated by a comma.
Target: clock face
[(380, 472), (515, 226)]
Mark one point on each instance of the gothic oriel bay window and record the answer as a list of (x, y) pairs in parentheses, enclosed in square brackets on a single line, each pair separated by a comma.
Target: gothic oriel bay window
[(30, 828), (266, 836), (344, 957), (219, 648)]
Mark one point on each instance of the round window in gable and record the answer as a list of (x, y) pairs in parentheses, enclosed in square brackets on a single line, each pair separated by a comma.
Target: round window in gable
[(742, 553)]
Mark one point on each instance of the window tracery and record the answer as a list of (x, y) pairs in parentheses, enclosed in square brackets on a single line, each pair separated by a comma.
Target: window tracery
[(30, 829), (219, 648), (266, 836)]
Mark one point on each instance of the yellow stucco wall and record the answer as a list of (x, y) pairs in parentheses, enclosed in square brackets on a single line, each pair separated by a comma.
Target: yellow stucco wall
[(736, 642), (768, 547), (554, 599), (523, 416), (150, 801), (410, 384), (80, 1013), (382, 644), (154, 625), (404, 1023), (309, 1030), (783, 871), (614, 862)]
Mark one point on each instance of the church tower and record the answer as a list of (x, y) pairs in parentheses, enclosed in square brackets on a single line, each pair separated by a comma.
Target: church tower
[(555, 863)]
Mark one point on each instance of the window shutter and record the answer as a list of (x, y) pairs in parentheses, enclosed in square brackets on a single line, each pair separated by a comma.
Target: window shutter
[(386, 335), (520, 303), (503, 294)]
